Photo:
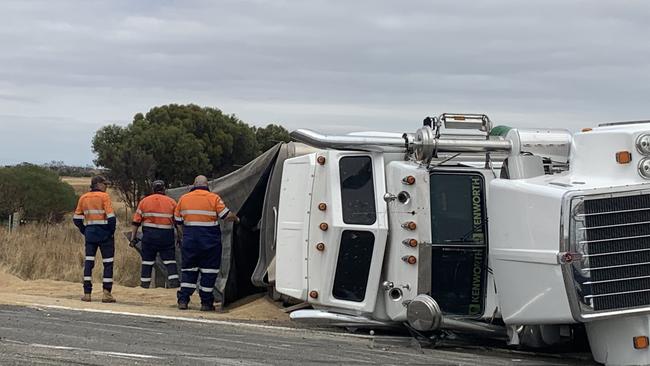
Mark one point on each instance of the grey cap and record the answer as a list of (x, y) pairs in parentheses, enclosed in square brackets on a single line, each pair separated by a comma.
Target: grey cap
[(97, 179)]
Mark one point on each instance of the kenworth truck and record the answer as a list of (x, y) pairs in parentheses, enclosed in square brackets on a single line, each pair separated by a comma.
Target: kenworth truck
[(527, 234)]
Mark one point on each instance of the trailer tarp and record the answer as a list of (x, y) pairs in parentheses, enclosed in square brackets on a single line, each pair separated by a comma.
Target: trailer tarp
[(249, 247)]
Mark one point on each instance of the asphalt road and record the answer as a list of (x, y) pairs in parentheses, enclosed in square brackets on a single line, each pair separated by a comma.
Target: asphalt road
[(48, 336)]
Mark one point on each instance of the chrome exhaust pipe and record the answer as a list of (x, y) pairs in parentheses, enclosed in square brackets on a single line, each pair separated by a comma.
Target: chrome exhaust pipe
[(371, 143), (423, 143)]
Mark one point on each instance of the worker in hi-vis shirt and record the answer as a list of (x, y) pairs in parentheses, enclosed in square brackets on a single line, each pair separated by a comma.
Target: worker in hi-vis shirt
[(199, 212), (95, 219), (155, 213)]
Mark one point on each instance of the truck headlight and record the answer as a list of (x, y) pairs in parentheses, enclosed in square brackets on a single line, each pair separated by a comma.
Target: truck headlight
[(644, 168), (643, 144)]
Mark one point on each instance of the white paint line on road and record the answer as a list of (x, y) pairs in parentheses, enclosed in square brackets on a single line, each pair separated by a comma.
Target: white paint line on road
[(195, 320), (129, 355), (98, 353)]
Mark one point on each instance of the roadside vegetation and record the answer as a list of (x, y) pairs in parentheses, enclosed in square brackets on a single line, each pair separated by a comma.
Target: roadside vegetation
[(44, 249), (171, 142)]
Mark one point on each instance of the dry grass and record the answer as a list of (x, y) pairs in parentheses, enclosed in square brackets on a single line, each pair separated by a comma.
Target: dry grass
[(56, 252)]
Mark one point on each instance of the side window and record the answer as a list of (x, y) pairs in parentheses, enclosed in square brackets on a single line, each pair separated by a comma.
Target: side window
[(357, 190), (353, 265)]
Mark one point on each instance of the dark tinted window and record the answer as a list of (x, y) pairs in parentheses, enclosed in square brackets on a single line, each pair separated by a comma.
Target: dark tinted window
[(353, 265), (357, 190), (457, 209)]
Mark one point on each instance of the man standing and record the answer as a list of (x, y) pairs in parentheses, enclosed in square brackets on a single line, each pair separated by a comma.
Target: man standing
[(198, 211), (95, 219), (156, 215)]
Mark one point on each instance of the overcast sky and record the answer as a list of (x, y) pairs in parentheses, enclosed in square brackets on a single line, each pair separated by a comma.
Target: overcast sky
[(69, 67)]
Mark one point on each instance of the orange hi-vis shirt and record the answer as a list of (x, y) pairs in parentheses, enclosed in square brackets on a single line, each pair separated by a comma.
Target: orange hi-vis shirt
[(200, 207), (155, 210), (94, 208)]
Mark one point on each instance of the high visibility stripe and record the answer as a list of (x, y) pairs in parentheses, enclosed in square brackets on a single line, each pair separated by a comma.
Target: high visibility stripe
[(148, 263), (79, 217), (110, 215), (172, 277), (224, 212), (138, 211), (107, 280), (87, 212), (156, 214), (157, 226), (90, 258), (88, 278), (169, 262), (190, 269), (188, 285), (208, 270), (143, 279), (198, 212), (178, 218), (107, 260), (200, 223), (206, 289), (97, 222)]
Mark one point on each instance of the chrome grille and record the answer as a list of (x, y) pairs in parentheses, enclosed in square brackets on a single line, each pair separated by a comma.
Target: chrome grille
[(613, 236)]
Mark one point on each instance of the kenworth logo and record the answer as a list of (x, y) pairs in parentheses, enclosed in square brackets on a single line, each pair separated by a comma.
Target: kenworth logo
[(478, 236)]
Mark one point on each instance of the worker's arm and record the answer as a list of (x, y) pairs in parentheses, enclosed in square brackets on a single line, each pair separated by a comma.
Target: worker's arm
[(178, 221), (224, 212), (137, 221), (78, 217), (110, 214)]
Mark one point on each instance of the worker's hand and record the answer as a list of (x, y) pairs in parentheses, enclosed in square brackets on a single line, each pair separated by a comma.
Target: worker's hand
[(232, 218), (133, 242)]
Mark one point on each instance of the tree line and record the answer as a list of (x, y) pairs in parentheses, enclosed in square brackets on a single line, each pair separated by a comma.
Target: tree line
[(36, 192), (175, 143)]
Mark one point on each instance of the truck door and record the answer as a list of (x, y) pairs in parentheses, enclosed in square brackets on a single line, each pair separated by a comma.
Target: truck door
[(459, 241)]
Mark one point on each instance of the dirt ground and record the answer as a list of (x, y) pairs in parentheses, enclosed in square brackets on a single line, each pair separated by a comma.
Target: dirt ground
[(158, 301)]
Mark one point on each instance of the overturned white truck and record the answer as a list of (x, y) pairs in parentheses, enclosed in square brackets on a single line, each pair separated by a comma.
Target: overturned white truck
[(532, 235), (465, 227)]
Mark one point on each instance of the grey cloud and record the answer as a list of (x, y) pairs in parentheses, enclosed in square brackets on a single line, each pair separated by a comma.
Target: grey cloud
[(337, 65)]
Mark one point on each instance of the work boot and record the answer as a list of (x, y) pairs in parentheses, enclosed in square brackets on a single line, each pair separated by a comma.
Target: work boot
[(182, 305), (86, 297), (207, 307), (174, 283), (107, 296), (145, 284)]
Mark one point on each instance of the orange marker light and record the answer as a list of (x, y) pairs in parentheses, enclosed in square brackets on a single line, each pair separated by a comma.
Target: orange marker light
[(320, 247), (411, 242), (586, 129), (409, 180), (410, 225), (313, 294), (323, 226), (623, 157), (321, 160), (640, 342), (409, 259), (322, 206)]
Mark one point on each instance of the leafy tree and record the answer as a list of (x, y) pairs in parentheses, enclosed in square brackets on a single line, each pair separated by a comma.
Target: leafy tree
[(175, 143), (36, 192), (269, 136)]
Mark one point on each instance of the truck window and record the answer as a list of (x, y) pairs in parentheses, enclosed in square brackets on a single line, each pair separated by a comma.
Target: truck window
[(353, 265), (357, 190)]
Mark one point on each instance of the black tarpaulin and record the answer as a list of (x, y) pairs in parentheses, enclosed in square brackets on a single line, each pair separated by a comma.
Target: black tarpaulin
[(249, 247)]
